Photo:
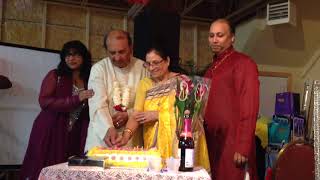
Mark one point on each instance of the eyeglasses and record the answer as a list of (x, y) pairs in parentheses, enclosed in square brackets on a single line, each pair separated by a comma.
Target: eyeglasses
[(68, 55), (154, 63)]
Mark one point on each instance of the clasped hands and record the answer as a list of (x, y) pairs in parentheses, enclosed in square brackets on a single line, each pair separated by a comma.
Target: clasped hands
[(239, 160), (113, 139)]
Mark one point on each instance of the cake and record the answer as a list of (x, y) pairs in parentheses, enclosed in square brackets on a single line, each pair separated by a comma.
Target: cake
[(132, 158)]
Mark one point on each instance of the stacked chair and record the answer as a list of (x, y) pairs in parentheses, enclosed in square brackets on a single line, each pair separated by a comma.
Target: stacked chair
[(288, 155)]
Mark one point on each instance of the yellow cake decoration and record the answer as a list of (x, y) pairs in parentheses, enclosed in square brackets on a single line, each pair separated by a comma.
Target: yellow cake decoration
[(125, 157)]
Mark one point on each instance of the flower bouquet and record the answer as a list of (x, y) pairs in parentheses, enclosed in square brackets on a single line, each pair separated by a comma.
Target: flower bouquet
[(191, 95)]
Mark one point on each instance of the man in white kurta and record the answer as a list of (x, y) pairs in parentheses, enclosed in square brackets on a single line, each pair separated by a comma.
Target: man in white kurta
[(120, 66)]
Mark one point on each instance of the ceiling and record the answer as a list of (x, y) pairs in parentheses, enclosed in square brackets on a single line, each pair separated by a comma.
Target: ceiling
[(200, 10)]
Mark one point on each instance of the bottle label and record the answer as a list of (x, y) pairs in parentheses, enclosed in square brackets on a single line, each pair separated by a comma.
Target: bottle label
[(189, 158)]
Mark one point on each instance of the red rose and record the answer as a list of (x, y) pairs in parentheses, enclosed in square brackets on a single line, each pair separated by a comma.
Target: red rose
[(117, 108)]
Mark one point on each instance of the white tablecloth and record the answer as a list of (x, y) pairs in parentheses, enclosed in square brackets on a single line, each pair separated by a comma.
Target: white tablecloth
[(63, 171)]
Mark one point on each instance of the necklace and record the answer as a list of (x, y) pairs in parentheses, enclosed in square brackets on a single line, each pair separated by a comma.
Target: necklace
[(220, 62), (75, 114), (165, 79)]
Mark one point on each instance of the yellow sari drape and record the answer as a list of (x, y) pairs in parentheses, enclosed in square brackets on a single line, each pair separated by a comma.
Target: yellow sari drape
[(161, 134)]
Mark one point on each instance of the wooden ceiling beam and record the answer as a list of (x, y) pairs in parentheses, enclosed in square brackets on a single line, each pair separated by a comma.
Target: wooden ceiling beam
[(87, 4), (135, 10), (189, 8)]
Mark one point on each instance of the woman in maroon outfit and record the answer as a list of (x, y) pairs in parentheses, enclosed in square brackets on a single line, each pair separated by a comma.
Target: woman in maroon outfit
[(60, 129)]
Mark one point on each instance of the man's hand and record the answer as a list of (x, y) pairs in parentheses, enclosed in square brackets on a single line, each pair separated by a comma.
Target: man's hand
[(145, 117), (239, 159), (111, 137), (122, 140), (119, 119)]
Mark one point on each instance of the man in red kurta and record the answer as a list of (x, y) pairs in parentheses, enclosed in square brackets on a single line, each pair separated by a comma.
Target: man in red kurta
[(232, 107)]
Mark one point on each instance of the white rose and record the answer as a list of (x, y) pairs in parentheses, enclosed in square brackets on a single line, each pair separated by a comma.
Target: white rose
[(125, 96), (116, 94)]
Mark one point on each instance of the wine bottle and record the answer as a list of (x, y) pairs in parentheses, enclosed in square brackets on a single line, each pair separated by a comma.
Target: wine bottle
[(186, 145)]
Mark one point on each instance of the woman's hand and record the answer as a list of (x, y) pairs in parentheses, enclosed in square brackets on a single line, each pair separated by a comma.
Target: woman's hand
[(85, 94), (123, 139), (146, 117)]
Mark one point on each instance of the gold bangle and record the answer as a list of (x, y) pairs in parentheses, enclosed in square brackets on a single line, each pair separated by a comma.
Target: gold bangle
[(129, 131)]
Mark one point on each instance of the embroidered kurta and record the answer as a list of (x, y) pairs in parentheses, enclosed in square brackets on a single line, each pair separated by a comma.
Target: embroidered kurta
[(101, 79), (161, 134), (52, 140), (231, 114)]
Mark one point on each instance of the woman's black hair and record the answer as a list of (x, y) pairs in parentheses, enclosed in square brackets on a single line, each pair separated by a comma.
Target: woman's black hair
[(159, 51), (76, 47)]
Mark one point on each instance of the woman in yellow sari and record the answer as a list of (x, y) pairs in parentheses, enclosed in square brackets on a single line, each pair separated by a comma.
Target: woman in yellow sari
[(154, 109)]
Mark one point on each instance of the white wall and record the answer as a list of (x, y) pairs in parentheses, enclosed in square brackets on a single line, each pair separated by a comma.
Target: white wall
[(19, 105), (269, 86)]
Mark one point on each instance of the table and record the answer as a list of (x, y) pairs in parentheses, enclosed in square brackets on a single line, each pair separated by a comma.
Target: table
[(63, 171)]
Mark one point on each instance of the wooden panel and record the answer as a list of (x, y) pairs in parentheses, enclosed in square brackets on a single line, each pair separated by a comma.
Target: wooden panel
[(204, 52), (22, 11), (101, 23), (66, 15), (96, 47), (186, 44), (24, 33), (131, 28), (58, 35)]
